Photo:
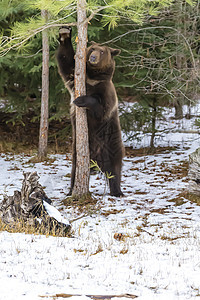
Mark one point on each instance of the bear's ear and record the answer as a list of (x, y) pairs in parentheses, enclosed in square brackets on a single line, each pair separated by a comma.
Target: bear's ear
[(93, 43), (115, 52)]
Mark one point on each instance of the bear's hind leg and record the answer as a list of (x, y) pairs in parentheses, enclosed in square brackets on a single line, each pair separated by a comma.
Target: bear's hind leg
[(73, 171), (115, 181), (113, 169)]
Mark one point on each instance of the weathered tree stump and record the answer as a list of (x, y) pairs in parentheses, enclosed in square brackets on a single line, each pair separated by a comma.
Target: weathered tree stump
[(194, 173), (32, 206)]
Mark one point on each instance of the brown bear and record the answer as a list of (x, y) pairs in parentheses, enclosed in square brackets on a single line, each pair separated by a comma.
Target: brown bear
[(101, 102)]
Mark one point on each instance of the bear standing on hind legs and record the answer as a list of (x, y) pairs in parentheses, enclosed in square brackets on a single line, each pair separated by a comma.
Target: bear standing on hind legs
[(101, 102)]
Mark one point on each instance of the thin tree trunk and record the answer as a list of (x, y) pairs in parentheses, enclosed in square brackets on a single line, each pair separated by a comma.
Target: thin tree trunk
[(179, 61), (178, 108), (81, 185), (153, 125), (43, 136)]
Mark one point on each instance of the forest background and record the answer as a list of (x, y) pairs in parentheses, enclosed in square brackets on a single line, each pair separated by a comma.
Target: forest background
[(158, 65)]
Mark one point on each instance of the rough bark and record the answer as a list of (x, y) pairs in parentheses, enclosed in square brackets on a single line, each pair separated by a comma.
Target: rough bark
[(178, 108), (43, 135), (194, 173), (81, 185), (180, 61), (153, 125)]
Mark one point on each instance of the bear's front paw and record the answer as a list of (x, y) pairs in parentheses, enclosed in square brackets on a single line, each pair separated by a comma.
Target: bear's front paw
[(79, 101), (64, 33)]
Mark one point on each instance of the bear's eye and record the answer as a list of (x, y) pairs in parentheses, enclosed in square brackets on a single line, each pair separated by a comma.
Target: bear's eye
[(101, 52)]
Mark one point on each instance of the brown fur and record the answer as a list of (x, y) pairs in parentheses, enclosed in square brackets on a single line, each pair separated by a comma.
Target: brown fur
[(101, 101)]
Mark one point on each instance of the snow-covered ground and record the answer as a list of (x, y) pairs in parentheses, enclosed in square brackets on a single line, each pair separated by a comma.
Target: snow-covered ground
[(158, 256)]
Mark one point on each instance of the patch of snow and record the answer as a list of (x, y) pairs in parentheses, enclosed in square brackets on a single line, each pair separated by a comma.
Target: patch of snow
[(169, 129), (2, 103), (159, 257), (54, 213)]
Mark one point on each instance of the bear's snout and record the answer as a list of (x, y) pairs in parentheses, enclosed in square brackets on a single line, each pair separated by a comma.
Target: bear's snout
[(94, 58)]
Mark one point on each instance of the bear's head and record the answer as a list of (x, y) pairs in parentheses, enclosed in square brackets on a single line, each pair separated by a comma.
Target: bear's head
[(100, 59)]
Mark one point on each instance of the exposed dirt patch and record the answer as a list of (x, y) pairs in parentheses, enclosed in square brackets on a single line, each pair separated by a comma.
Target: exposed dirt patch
[(181, 198), (111, 212), (147, 151), (159, 210), (22, 136), (86, 203), (179, 171)]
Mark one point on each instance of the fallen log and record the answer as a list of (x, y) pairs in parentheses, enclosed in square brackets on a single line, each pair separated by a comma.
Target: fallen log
[(194, 173), (32, 206), (94, 297)]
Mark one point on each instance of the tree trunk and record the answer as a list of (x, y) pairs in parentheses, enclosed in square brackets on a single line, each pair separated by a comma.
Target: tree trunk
[(81, 185), (194, 173), (153, 125), (178, 108), (180, 59), (43, 136)]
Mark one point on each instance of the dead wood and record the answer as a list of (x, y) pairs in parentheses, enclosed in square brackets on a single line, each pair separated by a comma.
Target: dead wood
[(28, 206), (94, 297), (194, 173)]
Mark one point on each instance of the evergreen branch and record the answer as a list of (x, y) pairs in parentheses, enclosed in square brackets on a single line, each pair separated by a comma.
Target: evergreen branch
[(95, 12), (157, 27), (8, 40)]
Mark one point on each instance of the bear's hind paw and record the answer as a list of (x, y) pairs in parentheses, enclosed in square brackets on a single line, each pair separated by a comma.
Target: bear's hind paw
[(117, 194)]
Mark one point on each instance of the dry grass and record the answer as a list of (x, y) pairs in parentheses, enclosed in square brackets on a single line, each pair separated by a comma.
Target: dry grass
[(130, 152), (87, 203), (40, 229), (181, 198)]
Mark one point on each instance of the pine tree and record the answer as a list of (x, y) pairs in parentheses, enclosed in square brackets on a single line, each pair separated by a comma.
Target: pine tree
[(110, 12), (160, 62)]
